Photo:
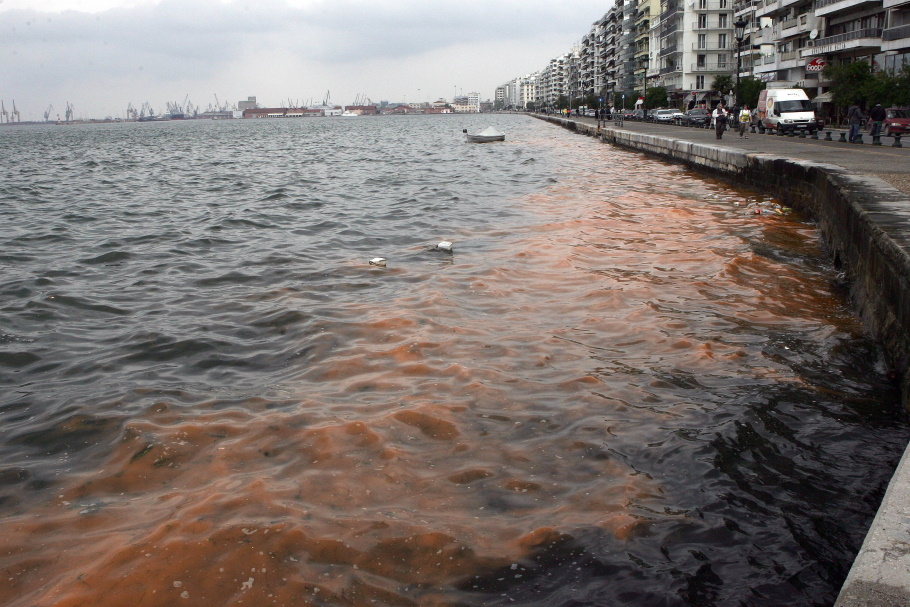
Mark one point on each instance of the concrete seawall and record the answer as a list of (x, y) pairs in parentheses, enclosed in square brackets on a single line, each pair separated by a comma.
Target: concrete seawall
[(865, 224)]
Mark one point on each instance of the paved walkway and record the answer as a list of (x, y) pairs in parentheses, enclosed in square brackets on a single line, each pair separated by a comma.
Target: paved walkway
[(884, 161)]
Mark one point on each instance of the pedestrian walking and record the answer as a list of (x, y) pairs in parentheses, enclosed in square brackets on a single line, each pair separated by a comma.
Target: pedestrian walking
[(877, 116), (745, 117), (720, 119), (855, 116)]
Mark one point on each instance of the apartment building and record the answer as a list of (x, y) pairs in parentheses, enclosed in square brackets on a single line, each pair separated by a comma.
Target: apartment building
[(683, 45)]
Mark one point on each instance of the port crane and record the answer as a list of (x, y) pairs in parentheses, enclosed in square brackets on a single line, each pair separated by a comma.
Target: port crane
[(15, 113), (70, 112), (4, 115), (131, 113), (48, 112)]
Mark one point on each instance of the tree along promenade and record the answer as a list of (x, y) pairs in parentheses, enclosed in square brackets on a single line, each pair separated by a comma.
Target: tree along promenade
[(859, 195)]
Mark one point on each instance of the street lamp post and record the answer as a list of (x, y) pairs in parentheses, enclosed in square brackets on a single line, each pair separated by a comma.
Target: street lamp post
[(739, 27)]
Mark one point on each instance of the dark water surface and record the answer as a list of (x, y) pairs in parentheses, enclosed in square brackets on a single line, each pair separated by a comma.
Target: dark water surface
[(624, 387)]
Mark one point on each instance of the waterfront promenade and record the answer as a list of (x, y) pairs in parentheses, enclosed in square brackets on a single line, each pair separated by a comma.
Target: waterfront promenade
[(860, 197), (889, 163)]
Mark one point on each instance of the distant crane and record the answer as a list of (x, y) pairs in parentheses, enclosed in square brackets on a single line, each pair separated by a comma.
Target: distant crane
[(217, 103), (131, 113), (15, 114), (48, 112), (70, 112), (4, 115), (325, 101)]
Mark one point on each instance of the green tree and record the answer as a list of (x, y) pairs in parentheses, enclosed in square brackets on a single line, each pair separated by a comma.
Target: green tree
[(655, 97), (748, 91), (562, 102), (889, 88), (849, 82), (722, 84)]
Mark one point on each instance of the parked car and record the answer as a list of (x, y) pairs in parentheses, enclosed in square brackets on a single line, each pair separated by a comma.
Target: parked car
[(697, 116), (897, 122), (667, 115), (638, 115)]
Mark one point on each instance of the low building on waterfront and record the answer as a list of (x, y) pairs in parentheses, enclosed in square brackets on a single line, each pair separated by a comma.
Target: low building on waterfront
[(282, 112)]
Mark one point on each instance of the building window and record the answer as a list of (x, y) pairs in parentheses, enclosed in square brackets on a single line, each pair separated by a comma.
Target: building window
[(721, 41), (702, 41), (699, 82), (702, 21), (700, 60), (722, 20)]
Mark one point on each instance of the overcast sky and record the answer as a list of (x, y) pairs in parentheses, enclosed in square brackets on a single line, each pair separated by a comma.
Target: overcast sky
[(101, 55)]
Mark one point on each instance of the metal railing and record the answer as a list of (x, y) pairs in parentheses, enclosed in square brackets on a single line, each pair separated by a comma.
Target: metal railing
[(668, 50), (711, 46), (869, 32), (823, 3), (712, 67), (896, 33)]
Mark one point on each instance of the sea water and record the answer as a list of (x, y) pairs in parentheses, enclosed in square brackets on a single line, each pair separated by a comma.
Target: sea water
[(621, 386)]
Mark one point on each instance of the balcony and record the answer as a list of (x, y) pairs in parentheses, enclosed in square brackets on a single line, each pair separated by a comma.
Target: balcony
[(869, 38), (828, 7), (788, 24), (711, 46), (712, 27), (670, 29), (668, 50), (712, 67), (669, 70), (896, 33), (670, 11), (714, 5)]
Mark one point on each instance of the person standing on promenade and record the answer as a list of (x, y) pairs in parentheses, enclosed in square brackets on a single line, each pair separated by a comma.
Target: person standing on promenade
[(877, 116), (855, 116), (720, 119), (745, 117)]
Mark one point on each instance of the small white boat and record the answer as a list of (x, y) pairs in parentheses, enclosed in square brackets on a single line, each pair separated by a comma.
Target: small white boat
[(485, 136), (347, 114)]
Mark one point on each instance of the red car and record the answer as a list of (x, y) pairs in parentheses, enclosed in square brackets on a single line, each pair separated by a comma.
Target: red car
[(897, 121)]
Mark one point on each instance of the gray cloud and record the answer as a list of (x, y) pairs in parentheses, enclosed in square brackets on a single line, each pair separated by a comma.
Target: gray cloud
[(109, 58)]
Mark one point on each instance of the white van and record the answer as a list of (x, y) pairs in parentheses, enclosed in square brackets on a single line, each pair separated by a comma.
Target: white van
[(785, 110)]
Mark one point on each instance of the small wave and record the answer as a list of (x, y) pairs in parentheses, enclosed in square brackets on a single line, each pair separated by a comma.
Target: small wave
[(17, 360), (109, 257), (162, 348), (84, 304), (245, 223), (231, 278), (274, 196)]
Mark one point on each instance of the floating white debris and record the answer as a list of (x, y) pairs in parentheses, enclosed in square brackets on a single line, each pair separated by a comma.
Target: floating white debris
[(445, 245), (378, 261)]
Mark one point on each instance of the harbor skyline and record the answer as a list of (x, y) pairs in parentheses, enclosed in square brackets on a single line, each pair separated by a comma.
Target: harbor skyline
[(99, 57)]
